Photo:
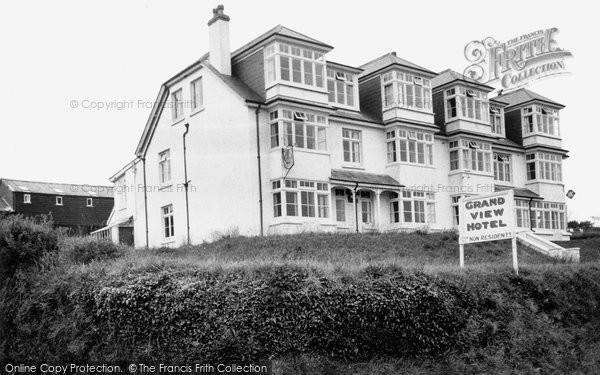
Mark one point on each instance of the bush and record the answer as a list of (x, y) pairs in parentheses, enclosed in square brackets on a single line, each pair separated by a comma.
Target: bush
[(23, 242), (85, 250)]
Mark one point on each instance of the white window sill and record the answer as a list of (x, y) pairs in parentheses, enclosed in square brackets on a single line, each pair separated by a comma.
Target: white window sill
[(470, 171), (410, 164), (353, 166), (543, 182), (196, 111)]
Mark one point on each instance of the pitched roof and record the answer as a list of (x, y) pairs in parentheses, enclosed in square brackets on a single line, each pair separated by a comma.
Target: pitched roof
[(519, 192), (59, 188), (450, 75), (5, 206), (388, 60), (523, 95), (363, 177), (283, 31), (236, 85)]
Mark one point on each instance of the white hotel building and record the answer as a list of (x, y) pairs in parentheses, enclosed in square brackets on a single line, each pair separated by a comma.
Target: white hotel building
[(386, 146)]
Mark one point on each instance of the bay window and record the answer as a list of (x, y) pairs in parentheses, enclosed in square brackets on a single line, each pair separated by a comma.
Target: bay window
[(502, 170), (412, 207), (300, 198), (474, 155), (406, 90), (299, 129), (466, 103), (289, 63), (544, 166), (414, 147), (548, 215), (540, 120)]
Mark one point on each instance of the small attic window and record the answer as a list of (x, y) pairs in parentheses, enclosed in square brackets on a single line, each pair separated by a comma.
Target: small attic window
[(470, 93), (300, 116), (418, 81), (494, 110), (340, 76), (474, 145)]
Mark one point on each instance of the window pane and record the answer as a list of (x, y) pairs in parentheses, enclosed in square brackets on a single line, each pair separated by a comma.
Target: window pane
[(407, 209), (310, 137), (308, 72), (299, 127), (296, 71), (285, 68), (291, 203), (340, 85)]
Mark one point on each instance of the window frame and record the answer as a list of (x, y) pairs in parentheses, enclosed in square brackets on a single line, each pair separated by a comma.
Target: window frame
[(311, 199), (59, 200), (411, 147), (309, 61), (177, 104), (26, 198), (197, 94), (354, 157), (164, 159), (540, 117), (404, 88), (469, 104), (502, 168), (89, 202), (168, 222)]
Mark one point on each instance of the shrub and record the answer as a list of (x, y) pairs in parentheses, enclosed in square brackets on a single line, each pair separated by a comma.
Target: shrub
[(85, 250), (23, 242)]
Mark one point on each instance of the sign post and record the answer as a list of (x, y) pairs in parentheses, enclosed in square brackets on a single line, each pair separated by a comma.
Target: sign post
[(487, 217)]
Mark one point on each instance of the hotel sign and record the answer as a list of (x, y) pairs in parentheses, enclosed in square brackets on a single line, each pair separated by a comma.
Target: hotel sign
[(487, 217), (517, 62)]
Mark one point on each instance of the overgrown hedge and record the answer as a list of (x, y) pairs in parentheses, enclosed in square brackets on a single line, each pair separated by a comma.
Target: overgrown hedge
[(177, 315), (23, 242), (546, 318)]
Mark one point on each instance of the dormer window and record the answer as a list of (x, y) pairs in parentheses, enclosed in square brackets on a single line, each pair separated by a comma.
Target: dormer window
[(293, 64), (466, 103), (540, 120), (406, 90)]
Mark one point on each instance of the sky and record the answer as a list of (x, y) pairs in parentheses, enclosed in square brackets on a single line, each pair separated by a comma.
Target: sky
[(79, 77)]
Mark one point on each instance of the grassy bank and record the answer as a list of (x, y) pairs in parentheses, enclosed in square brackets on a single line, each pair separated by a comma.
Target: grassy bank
[(310, 303)]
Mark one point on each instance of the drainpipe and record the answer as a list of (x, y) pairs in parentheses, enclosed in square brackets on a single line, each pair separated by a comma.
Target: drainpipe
[(145, 200), (186, 183), (356, 206), (260, 193)]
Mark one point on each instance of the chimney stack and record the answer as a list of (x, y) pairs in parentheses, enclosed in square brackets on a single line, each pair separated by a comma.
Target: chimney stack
[(218, 33)]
